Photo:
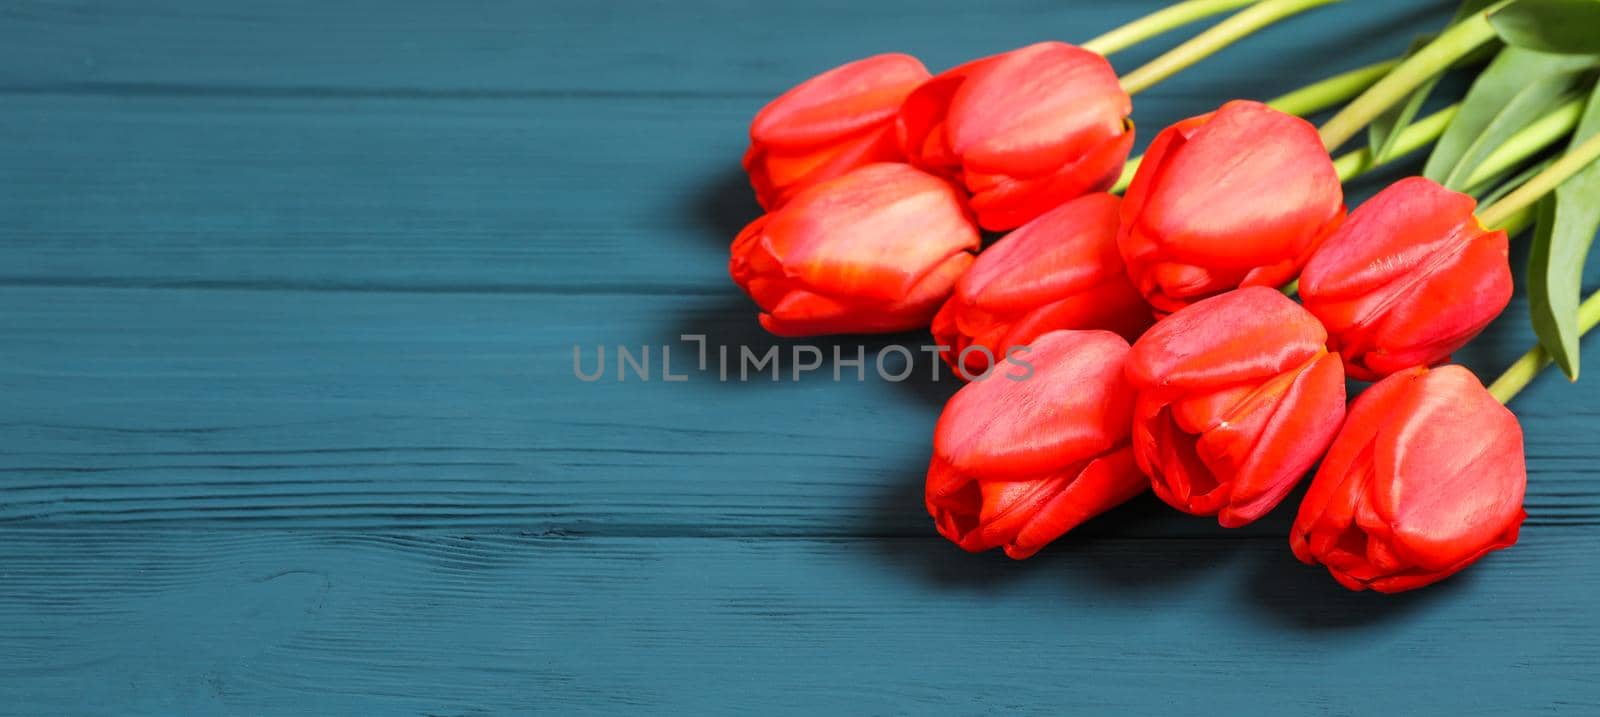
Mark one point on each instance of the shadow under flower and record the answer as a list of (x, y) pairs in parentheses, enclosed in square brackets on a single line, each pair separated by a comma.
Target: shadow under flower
[(724, 205), (1292, 594)]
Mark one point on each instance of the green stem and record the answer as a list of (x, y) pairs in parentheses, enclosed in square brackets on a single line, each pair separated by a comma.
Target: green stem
[(1522, 372), (1166, 19), (1529, 141), (1454, 43), (1306, 100), (1415, 136), (1221, 35), (1319, 96), (1128, 170), (1543, 183), (1514, 224)]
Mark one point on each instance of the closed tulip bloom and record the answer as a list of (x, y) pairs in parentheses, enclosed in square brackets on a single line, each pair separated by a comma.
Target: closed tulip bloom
[(1059, 271), (828, 125), (1237, 398), (1024, 130), (876, 250), (1425, 478), (1018, 463), (1238, 197), (1411, 277)]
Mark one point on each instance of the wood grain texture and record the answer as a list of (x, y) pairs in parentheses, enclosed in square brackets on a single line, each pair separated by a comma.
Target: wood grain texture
[(518, 147), (288, 296), (577, 49), (319, 194), (397, 410), (291, 622)]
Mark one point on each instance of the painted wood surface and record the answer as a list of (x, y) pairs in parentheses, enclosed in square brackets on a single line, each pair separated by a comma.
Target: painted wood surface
[(288, 298)]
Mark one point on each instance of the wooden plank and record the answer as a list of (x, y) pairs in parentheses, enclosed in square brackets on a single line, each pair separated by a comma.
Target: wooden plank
[(154, 145), (379, 194), (392, 410), (575, 47), (279, 622), (370, 194), (287, 299)]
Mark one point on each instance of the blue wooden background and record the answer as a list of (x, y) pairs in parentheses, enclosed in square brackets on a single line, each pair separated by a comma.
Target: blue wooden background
[(288, 295)]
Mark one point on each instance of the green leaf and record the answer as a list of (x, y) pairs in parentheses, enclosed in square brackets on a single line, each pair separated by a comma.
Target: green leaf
[(1507, 186), (1527, 105), (1568, 221), (1563, 26), (1511, 72), (1472, 7), (1384, 130)]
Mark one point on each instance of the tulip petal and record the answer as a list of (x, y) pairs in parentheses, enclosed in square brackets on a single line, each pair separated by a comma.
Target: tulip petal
[(1232, 338), (1061, 252), (1024, 130), (1113, 306), (1060, 271), (1349, 455), (1437, 311), (1152, 169), (1168, 456), (1003, 202), (1304, 421), (1409, 278), (1250, 167), (1033, 109), (841, 101), (1011, 507), (876, 250), (1446, 499), (874, 233), (1388, 238), (804, 313), (1323, 525), (921, 124), (1400, 502), (954, 500), (1103, 484), (1076, 405), (777, 176), (1418, 577), (1239, 197)]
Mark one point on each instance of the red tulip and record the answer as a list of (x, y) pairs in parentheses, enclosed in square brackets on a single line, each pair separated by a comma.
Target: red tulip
[(1425, 478), (1411, 277), (1237, 397), (1059, 271), (876, 250), (1238, 197), (1018, 463), (1024, 130), (828, 125)]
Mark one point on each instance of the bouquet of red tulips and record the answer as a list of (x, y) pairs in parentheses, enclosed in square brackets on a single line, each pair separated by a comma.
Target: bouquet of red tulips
[(1155, 298)]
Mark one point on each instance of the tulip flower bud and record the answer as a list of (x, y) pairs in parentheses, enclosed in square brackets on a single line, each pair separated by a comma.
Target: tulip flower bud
[(1426, 476), (1237, 397), (1411, 277), (1018, 463), (1238, 197), (874, 251), (1024, 130), (828, 125), (1059, 271)]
